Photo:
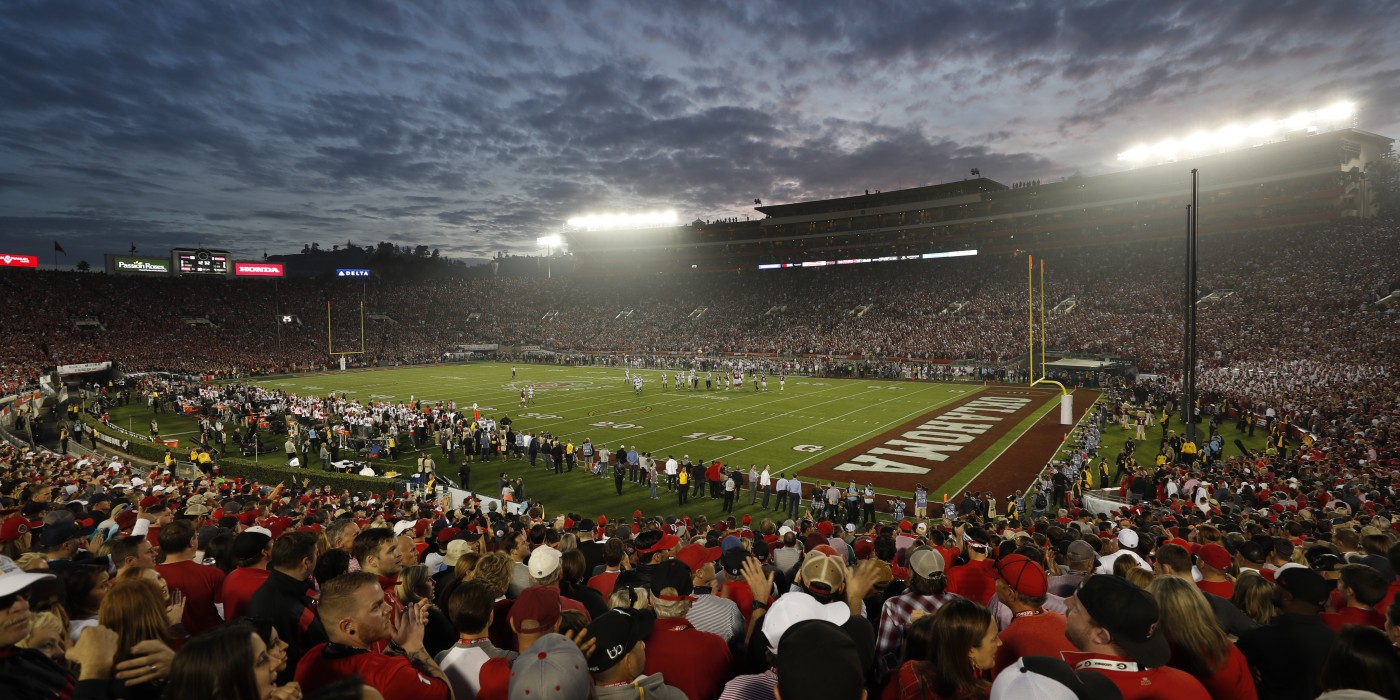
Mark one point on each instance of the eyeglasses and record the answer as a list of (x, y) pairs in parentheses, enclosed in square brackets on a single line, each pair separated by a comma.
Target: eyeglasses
[(8, 601)]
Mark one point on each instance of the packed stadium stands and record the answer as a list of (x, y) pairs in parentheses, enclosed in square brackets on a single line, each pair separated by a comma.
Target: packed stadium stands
[(1279, 301)]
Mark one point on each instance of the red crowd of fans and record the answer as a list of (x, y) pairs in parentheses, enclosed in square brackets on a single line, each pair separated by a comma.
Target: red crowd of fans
[(1268, 574)]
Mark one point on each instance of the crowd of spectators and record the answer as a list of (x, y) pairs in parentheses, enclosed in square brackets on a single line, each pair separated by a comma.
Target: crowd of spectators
[(1267, 574), (1293, 311)]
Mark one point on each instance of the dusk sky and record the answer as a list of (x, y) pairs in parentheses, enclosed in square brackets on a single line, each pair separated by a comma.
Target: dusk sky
[(476, 127)]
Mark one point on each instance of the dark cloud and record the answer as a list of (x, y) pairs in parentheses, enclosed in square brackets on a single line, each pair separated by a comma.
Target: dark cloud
[(481, 126)]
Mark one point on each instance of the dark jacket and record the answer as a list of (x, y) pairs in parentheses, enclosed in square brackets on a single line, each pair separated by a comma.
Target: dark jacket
[(287, 603)]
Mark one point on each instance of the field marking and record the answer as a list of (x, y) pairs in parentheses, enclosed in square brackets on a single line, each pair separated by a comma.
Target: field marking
[(1034, 418), (489, 387), (619, 404), (677, 425), (945, 402), (810, 405), (883, 427)]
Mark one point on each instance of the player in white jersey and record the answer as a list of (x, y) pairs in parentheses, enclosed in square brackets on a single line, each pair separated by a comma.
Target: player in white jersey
[(637, 385), (530, 393), (663, 381)]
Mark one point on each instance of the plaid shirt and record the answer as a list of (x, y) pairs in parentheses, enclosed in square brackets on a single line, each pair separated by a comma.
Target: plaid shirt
[(894, 619)]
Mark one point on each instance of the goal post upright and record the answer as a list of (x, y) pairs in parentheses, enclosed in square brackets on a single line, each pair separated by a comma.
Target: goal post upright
[(330, 342), (1066, 401)]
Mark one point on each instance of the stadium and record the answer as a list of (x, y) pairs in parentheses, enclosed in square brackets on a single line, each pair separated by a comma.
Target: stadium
[(1009, 355)]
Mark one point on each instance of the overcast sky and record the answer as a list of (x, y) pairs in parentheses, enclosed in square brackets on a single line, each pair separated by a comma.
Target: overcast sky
[(476, 127)]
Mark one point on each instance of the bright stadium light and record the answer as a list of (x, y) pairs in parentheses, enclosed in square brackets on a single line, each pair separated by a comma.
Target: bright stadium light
[(1338, 112), (1229, 136), (1263, 128), (1199, 141), (551, 241), (1235, 136), (597, 222)]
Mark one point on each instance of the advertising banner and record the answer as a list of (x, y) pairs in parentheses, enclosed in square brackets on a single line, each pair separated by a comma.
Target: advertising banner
[(129, 265), (257, 269), (345, 272), (8, 260), (84, 368), (115, 442)]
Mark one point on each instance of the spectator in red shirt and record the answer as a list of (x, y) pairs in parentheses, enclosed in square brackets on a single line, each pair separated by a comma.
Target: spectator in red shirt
[(614, 552), (698, 663), (1114, 625), (1361, 588), (975, 579), (377, 550), (201, 585), (1022, 586), (1214, 563), (252, 550), (357, 618)]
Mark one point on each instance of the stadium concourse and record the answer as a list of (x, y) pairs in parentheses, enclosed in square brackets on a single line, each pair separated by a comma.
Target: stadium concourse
[(1270, 574)]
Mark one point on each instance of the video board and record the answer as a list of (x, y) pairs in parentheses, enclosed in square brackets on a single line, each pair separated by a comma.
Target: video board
[(200, 261)]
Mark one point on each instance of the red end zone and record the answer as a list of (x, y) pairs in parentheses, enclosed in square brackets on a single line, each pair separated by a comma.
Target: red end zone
[(937, 445)]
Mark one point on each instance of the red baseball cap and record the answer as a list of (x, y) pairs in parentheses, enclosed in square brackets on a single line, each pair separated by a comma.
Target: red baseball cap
[(1214, 556), (697, 555), (1023, 575), (667, 541), (13, 528)]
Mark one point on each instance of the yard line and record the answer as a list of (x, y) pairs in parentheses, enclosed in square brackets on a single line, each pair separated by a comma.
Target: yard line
[(806, 406), (862, 408), (629, 436)]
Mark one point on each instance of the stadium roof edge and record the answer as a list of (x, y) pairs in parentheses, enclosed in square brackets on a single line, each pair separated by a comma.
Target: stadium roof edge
[(945, 190)]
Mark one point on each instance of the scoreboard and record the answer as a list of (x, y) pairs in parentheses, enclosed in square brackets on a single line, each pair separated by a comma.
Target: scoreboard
[(200, 261)]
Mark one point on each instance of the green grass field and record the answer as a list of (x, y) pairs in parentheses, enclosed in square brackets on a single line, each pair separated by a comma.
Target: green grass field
[(791, 429)]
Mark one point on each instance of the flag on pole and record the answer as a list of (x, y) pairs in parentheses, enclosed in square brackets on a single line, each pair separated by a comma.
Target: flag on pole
[(58, 248)]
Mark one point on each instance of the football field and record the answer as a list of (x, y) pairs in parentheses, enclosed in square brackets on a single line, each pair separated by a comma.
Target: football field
[(891, 433)]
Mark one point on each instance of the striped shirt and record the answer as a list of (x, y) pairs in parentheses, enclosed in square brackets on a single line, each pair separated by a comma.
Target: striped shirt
[(754, 686), (716, 615)]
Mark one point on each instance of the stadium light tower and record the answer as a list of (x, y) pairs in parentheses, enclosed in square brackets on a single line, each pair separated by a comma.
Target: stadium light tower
[(1233, 136), (549, 243), (604, 222)]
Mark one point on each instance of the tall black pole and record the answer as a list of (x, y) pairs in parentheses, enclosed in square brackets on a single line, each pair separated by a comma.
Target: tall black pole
[(1188, 374)]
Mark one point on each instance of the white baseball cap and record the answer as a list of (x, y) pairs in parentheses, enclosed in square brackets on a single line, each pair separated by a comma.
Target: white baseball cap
[(797, 606), (1128, 538), (544, 561), (14, 579), (1049, 678)]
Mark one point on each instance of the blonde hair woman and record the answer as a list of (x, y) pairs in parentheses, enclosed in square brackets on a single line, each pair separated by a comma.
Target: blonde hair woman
[(1199, 645), (1254, 594), (48, 634)]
